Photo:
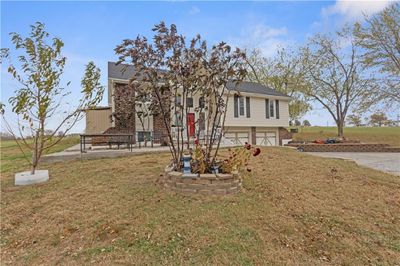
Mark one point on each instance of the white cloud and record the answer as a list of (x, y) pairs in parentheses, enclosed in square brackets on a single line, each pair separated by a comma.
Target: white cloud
[(262, 31), (353, 10), (262, 37), (194, 10)]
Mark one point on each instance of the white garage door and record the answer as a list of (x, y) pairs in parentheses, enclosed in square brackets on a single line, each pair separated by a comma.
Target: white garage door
[(266, 138), (238, 138)]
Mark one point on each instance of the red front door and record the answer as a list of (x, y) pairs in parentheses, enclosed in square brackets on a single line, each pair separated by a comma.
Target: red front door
[(190, 124)]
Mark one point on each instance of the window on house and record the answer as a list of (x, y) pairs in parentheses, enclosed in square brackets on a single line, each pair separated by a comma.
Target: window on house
[(271, 108), (241, 105), (144, 135), (266, 108), (277, 109), (178, 119), (202, 121), (236, 106), (201, 102), (178, 100), (189, 102), (247, 106)]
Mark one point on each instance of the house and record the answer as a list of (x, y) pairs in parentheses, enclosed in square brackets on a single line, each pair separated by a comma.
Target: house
[(256, 114)]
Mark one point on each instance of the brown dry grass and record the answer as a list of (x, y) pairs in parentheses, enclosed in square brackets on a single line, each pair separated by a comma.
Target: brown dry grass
[(294, 209)]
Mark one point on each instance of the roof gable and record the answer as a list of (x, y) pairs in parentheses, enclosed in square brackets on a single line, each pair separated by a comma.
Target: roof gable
[(120, 71), (253, 87), (125, 72)]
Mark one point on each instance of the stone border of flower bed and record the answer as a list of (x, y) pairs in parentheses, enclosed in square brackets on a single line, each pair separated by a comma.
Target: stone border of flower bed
[(207, 184)]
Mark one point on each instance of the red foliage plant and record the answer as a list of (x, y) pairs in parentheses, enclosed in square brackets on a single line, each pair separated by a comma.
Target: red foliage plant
[(239, 158), (186, 68)]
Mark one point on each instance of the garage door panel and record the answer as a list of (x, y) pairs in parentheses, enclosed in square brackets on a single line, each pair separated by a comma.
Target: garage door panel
[(266, 138), (239, 138), (243, 141), (260, 141), (230, 135)]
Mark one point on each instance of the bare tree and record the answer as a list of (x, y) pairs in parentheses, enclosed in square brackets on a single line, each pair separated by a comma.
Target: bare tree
[(41, 94), (173, 70), (335, 74), (379, 36)]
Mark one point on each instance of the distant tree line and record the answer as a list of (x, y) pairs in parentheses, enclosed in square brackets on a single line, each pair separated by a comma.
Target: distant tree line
[(298, 123), (377, 119)]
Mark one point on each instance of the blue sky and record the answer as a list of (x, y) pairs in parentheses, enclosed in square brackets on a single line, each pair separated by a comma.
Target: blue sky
[(91, 30)]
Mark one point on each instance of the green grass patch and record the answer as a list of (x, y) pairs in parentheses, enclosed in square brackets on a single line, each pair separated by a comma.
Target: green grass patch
[(12, 157), (388, 135)]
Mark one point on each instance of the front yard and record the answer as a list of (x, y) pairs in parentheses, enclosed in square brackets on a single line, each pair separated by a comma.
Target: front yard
[(293, 209)]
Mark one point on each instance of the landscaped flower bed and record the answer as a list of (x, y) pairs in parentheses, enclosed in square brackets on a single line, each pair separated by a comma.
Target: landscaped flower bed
[(202, 177), (209, 184)]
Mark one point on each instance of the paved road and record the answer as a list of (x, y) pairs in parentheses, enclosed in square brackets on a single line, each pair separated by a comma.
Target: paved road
[(388, 162)]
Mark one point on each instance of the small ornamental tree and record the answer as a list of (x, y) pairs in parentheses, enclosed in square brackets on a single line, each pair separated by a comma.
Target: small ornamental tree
[(171, 69), (41, 94), (306, 123), (354, 119), (378, 119)]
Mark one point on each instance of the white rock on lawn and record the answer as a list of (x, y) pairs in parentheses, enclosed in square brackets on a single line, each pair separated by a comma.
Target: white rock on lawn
[(26, 178)]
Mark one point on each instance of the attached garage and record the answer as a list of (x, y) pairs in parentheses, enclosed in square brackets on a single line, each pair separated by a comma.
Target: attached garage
[(266, 138), (263, 136), (238, 138)]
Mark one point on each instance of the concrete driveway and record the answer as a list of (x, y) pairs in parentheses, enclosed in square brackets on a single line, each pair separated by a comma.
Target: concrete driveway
[(388, 162)]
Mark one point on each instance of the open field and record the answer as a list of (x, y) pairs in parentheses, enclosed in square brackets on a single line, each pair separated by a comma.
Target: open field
[(307, 210), (389, 135), (12, 158)]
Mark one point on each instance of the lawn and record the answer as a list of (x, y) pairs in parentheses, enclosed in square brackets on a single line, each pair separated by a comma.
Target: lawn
[(307, 210), (389, 135), (12, 158)]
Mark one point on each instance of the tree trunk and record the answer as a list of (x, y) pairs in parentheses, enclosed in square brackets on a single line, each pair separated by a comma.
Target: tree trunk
[(35, 153), (340, 127)]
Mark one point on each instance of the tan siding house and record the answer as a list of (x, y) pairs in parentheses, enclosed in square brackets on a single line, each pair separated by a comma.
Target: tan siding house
[(255, 114), (257, 124), (258, 113)]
